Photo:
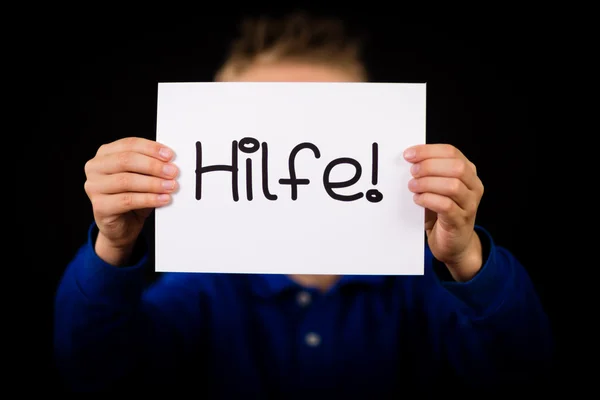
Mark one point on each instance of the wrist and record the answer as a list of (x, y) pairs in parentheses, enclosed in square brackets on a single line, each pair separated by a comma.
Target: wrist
[(470, 261), (109, 252)]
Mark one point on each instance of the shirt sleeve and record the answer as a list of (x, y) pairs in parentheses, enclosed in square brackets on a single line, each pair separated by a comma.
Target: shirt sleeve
[(491, 330), (488, 286), (110, 329), (104, 283)]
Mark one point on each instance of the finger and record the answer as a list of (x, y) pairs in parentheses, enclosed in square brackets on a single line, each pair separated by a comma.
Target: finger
[(447, 168), (132, 162), (422, 152), (450, 187), (129, 182), (147, 147), (425, 151), (121, 203), (441, 205)]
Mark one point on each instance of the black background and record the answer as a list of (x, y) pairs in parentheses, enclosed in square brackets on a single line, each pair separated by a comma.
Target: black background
[(95, 81)]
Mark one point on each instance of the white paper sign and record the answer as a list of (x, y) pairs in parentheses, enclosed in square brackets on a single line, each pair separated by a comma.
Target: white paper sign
[(291, 178)]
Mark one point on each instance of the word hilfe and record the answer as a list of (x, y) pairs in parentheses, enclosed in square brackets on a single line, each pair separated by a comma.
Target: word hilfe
[(250, 145)]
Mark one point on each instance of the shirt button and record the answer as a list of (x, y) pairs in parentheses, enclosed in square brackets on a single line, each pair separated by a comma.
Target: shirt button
[(312, 339), (303, 299)]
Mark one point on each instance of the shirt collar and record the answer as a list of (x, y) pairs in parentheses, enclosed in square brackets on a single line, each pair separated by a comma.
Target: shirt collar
[(272, 285)]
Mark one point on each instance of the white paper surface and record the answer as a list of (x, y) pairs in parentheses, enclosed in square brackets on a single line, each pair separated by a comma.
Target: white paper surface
[(314, 234)]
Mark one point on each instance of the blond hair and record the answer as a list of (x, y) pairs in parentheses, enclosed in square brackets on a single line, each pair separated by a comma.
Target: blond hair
[(296, 37)]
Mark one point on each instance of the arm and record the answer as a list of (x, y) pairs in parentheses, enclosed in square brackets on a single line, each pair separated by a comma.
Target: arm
[(109, 331), (490, 331), (483, 319)]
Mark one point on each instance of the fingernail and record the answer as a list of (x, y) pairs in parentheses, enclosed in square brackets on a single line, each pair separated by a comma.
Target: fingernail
[(169, 170), (412, 184), (163, 198), (165, 153), (168, 185), (415, 168), (409, 154)]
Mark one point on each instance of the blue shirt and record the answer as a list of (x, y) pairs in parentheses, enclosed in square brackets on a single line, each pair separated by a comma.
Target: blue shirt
[(264, 336)]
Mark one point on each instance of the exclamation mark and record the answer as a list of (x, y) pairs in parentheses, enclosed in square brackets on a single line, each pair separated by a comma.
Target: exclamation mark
[(374, 195)]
